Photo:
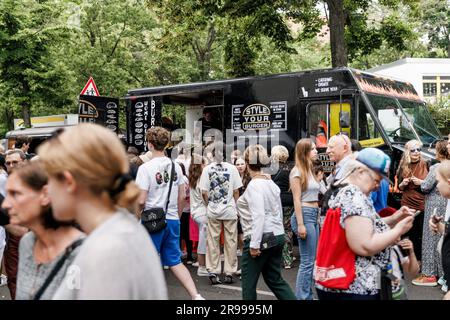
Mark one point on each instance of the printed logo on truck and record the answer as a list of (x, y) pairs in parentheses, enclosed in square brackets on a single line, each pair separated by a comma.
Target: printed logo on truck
[(259, 116), (256, 116)]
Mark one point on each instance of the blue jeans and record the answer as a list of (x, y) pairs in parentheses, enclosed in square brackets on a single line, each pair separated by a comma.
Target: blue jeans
[(307, 249)]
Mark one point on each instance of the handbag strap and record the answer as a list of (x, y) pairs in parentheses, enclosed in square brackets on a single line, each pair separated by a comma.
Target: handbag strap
[(172, 173), (57, 267)]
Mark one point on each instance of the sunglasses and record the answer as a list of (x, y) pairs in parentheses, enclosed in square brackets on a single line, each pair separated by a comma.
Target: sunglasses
[(416, 150), (10, 163)]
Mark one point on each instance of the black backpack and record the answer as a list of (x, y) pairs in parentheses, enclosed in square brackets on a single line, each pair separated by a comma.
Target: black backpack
[(331, 193)]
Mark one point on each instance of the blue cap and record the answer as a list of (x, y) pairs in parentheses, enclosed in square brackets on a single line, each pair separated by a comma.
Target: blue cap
[(375, 159)]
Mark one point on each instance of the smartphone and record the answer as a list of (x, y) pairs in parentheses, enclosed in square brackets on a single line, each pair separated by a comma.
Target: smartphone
[(405, 252)]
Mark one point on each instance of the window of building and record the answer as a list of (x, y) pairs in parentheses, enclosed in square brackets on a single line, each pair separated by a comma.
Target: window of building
[(436, 86)]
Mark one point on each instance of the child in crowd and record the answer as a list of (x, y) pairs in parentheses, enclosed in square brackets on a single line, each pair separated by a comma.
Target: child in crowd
[(403, 259)]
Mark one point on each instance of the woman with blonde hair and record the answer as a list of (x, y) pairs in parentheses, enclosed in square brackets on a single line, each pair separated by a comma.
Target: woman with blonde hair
[(305, 191), (262, 223), (89, 183), (412, 171)]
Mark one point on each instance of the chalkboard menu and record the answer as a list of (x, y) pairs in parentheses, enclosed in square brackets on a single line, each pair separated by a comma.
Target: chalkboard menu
[(142, 114), (259, 116), (99, 110)]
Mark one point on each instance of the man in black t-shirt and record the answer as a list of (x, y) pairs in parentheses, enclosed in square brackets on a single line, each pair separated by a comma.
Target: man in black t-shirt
[(208, 121)]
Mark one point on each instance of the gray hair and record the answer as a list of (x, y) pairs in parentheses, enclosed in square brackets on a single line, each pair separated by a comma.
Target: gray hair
[(14, 151), (280, 154)]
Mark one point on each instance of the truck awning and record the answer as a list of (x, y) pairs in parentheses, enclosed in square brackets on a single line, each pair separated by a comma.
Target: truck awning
[(34, 132)]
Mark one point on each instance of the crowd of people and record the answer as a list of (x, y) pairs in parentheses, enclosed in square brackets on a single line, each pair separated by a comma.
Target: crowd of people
[(84, 209)]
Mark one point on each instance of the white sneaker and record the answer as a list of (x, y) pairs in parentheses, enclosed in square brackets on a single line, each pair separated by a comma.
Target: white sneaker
[(195, 264), (441, 281), (202, 272), (444, 288), (199, 297)]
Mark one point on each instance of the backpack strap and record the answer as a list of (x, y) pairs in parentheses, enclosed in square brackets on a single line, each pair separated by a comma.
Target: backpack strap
[(172, 174), (57, 267)]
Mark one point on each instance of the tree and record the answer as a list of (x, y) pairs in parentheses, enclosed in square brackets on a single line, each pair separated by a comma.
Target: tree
[(436, 22), (29, 75)]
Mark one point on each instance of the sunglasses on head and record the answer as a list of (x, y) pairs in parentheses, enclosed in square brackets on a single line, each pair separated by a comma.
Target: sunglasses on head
[(416, 150)]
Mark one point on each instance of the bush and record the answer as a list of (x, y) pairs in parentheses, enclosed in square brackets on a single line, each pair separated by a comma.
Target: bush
[(440, 111)]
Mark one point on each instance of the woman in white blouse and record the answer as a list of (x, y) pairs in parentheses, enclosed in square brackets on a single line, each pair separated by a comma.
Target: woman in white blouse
[(261, 216)]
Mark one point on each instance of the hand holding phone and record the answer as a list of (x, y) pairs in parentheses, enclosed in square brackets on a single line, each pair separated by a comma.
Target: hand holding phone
[(406, 246)]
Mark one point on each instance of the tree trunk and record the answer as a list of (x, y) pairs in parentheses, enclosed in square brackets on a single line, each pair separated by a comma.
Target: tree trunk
[(26, 112), (337, 26), (9, 118)]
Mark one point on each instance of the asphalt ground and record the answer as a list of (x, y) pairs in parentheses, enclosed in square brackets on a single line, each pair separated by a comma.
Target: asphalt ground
[(233, 291)]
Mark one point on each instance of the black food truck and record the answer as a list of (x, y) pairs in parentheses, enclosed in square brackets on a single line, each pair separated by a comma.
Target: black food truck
[(377, 111)]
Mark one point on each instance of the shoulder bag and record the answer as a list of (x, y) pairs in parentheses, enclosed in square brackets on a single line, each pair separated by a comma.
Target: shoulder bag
[(154, 219)]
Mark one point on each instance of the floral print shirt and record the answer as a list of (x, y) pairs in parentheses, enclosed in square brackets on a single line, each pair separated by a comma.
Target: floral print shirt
[(353, 202)]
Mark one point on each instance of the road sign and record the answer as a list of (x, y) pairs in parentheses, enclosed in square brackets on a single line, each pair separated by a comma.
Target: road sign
[(90, 89)]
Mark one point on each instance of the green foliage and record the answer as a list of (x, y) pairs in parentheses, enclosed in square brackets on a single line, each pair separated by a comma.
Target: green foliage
[(29, 75), (49, 48), (436, 23), (440, 111)]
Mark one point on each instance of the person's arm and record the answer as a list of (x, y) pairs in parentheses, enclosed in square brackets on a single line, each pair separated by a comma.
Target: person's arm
[(143, 182), (297, 195), (181, 198), (16, 230), (403, 181), (362, 239), (256, 207), (236, 195), (400, 214), (430, 182), (412, 266), (142, 197)]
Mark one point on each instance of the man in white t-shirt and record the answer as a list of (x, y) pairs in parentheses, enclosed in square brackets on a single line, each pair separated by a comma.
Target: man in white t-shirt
[(153, 178), (220, 183)]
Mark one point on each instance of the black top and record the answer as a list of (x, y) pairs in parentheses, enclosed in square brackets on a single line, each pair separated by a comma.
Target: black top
[(281, 179), (206, 125)]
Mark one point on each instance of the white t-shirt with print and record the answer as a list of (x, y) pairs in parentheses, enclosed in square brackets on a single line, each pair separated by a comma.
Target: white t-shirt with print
[(153, 177), (220, 180)]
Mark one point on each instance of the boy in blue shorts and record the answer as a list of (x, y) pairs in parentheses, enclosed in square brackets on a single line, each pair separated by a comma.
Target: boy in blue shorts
[(153, 178)]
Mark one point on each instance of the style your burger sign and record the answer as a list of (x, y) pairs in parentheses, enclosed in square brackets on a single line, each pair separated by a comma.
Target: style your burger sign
[(259, 116)]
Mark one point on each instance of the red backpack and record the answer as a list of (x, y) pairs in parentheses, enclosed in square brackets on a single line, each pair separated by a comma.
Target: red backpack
[(335, 261)]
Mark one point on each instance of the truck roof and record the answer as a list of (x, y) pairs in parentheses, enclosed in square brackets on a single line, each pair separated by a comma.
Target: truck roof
[(218, 84)]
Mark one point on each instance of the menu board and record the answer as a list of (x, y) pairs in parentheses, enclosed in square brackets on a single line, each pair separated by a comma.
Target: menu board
[(259, 116), (142, 114), (99, 110)]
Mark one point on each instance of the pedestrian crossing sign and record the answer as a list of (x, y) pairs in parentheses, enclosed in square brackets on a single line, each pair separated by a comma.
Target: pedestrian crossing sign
[(90, 89)]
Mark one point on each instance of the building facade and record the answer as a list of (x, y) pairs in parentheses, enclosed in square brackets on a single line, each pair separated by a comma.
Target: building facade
[(429, 76)]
